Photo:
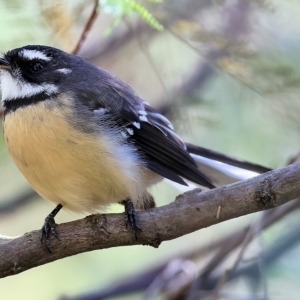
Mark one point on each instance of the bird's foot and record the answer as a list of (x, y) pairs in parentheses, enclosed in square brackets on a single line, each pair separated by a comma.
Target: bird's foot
[(49, 228), (131, 216)]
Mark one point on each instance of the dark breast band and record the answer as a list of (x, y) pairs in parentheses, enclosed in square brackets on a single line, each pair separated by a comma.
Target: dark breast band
[(13, 105)]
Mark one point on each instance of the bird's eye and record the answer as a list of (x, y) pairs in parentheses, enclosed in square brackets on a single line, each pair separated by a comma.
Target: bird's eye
[(36, 66)]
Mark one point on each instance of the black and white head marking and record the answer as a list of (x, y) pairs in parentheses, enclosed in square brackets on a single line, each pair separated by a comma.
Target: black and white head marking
[(13, 87), (30, 71), (33, 55)]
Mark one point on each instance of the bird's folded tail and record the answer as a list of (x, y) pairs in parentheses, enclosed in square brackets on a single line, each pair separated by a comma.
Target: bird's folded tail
[(222, 169)]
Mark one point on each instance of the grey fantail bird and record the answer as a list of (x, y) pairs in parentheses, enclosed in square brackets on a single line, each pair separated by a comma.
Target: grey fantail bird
[(83, 138)]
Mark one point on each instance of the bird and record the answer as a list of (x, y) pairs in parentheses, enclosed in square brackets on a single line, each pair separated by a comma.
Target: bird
[(84, 139)]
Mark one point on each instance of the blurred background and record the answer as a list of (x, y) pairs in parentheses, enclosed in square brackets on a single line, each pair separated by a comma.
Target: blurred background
[(227, 73)]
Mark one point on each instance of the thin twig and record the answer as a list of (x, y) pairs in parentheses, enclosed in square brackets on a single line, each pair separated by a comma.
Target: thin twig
[(145, 51), (238, 238), (251, 233), (87, 27)]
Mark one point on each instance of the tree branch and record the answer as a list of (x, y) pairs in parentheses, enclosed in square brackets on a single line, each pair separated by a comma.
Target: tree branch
[(190, 212)]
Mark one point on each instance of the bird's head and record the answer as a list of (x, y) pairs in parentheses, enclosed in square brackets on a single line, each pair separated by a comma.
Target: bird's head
[(34, 70)]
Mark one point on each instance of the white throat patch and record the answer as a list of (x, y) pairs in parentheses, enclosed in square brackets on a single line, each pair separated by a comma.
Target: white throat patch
[(12, 88)]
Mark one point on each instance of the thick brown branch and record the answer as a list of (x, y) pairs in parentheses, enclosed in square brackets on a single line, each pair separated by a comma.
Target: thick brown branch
[(190, 212)]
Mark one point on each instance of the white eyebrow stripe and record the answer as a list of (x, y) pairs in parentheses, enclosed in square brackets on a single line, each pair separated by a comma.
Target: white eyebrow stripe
[(32, 54), (12, 89)]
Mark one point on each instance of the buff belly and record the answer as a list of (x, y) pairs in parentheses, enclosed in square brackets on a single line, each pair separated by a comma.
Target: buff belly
[(68, 166)]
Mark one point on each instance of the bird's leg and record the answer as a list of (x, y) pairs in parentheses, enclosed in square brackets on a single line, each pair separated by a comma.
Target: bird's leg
[(49, 227), (131, 216)]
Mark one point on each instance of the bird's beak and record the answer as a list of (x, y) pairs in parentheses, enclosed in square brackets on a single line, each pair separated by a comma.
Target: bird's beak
[(4, 64)]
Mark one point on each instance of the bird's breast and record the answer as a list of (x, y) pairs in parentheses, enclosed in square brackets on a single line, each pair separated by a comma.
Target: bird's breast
[(67, 165)]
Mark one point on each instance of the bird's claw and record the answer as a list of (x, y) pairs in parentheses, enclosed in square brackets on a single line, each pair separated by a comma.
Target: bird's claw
[(49, 228), (131, 217)]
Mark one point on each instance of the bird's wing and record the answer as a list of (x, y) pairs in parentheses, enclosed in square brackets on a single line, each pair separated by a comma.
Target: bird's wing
[(163, 150)]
